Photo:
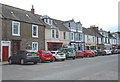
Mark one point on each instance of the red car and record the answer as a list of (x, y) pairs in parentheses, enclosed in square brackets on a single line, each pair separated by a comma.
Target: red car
[(89, 53), (80, 54), (45, 56)]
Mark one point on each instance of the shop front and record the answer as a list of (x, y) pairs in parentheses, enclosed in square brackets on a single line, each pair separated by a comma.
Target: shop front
[(90, 46), (54, 45), (78, 45)]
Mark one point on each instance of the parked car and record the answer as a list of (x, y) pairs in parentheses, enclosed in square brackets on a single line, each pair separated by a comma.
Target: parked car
[(106, 52), (80, 54), (89, 53), (69, 52), (23, 57), (95, 51), (116, 51), (45, 56), (58, 55), (99, 52)]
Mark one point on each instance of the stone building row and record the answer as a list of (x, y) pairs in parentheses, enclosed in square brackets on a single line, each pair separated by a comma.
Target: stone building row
[(21, 29)]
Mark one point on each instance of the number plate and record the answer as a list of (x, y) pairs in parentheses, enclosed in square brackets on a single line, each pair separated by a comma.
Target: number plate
[(34, 55), (47, 58)]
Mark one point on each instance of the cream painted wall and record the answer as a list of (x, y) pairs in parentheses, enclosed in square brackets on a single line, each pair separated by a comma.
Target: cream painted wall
[(65, 41), (48, 37)]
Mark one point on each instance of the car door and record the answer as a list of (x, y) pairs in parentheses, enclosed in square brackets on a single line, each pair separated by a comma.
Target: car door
[(14, 57), (22, 55)]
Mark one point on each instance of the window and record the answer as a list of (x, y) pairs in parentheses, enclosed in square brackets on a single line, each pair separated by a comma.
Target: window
[(57, 34), (72, 36), (69, 24), (105, 39), (80, 36), (15, 28), (35, 31), (49, 21), (87, 38), (35, 46), (93, 38), (46, 20), (64, 35), (53, 34)]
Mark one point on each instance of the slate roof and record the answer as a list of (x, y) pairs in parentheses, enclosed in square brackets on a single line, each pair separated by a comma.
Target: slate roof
[(18, 14), (96, 32), (69, 21), (60, 25), (111, 37), (88, 31), (92, 32), (39, 18), (56, 23)]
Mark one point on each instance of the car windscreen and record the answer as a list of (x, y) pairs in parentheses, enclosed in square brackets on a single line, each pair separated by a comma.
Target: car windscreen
[(59, 52), (46, 52), (53, 52)]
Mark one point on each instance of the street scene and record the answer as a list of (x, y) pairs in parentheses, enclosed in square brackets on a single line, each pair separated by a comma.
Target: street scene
[(71, 42), (97, 68)]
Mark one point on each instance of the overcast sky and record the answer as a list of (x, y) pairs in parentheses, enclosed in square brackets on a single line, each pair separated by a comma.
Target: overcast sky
[(103, 13)]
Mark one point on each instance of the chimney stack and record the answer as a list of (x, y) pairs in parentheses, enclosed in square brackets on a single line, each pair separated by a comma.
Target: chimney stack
[(94, 27), (33, 10)]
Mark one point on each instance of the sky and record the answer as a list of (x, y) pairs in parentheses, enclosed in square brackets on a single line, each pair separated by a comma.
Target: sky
[(102, 13)]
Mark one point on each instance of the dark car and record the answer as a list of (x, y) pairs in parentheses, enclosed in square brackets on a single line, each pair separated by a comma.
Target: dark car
[(23, 57), (69, 52)]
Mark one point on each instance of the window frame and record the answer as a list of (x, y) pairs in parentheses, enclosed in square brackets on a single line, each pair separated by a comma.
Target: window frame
[(36, 31), (57, 34), (64, 35), (18, 33), (33, 43), (53, 34), (72, 36)]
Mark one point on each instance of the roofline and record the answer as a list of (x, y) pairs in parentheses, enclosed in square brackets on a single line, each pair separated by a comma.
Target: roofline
[(15, 7), (23, 21)]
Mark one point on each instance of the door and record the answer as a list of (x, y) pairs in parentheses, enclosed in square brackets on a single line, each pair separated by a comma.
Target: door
[(16, 45), (5, 52)]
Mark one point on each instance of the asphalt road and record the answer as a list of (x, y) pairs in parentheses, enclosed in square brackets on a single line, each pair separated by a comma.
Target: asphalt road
[(94, 68)]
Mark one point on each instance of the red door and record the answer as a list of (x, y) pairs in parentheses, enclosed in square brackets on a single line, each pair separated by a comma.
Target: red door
[(5, 52)]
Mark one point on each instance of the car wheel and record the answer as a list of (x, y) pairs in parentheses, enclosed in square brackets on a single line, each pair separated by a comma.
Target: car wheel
[(73, 58), (40, 60), (63, 59), (88, 55), (35, 62), (10, 61), (22, 61), (54, 59), (51, 61)]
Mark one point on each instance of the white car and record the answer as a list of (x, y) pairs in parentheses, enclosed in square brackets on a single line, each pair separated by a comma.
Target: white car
[(58, 55), (107, 52)]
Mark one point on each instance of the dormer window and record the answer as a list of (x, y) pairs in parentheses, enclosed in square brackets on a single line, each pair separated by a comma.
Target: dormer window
[(48, 21)]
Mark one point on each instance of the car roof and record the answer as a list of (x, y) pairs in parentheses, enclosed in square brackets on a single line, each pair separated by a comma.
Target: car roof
[(31, 50), (55, 51)]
